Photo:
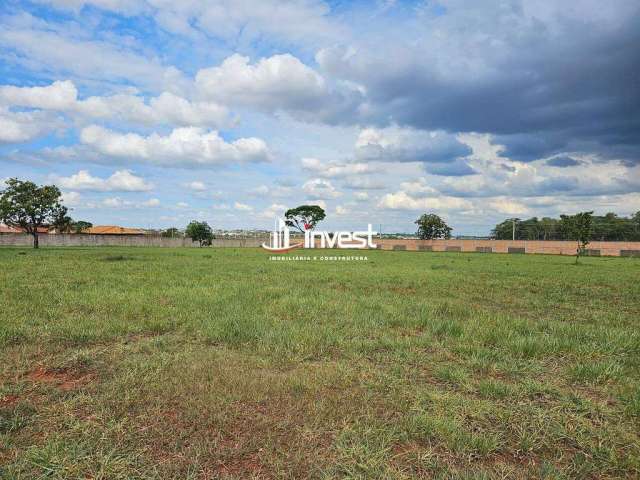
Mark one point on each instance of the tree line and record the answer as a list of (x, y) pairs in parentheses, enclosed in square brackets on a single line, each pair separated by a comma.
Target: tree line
[(609, 227)]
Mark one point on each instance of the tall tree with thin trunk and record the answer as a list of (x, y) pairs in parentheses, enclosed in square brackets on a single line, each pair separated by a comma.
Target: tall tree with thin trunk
[(578, 227), (25, 205)]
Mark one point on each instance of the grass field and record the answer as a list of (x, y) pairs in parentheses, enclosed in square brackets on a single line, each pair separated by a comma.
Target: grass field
[(218, 363)]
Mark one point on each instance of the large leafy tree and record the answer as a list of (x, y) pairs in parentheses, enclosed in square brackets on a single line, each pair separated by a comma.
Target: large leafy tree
[(304, 217), (199, 232), (431, 226), (25, 205), (578, 227)]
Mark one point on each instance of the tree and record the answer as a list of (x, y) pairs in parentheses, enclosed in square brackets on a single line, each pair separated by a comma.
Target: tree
[(62, 223), (199, 232), (28, 206), (578, 227), (171, 232), (304, 217), (505, 230), (431, 226), (81, 225)]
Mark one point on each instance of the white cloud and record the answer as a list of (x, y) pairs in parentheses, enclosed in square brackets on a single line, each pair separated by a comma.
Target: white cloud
[(361, 196), (121, 180), (166, 108), (335, 169), (71, 199), (418, 187), (188, 146), (340, 210), (271, 192), (243, 207), (402, 201), (280, 82), (60, 95), (359, 183), (196, 186), (508, 206), (120, 203), (274, 210), (320, 189), (152, 202), (17, 127)]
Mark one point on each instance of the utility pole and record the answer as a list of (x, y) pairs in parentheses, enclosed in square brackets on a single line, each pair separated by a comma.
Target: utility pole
[(513, 223)]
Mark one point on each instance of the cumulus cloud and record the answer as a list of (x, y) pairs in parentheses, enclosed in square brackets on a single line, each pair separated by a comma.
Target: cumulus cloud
[(508, 206), (60, 95), (167, 108), (18, 127), (336, 169), (278, 82), (274, 84), (188, 146), (402, 201), (319, 189), (121, 180)]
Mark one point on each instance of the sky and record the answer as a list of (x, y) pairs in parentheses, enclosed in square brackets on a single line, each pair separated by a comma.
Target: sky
[(152, 113)]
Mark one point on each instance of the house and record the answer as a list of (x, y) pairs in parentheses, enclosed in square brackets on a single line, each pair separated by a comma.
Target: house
[(112, 230), (7, 229)]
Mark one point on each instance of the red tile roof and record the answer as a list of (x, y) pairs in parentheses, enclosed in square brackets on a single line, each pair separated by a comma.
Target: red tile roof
[(113, 230)]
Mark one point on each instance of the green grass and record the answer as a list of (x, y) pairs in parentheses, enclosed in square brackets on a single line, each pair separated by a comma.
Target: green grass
[(218, 363)]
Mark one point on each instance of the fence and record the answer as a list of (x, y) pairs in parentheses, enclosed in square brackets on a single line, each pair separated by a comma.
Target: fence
[(549, 247), (71, 240), (479, 246)]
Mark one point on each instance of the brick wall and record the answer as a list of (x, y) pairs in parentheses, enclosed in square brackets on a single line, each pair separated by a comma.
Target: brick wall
[(504, 246), (480, 246), (69, 240)]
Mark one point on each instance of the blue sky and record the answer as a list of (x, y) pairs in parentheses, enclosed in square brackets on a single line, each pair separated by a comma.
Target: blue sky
[(153, 112)]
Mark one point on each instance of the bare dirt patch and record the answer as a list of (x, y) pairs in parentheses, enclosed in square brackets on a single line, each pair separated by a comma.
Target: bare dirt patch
[(9, 400), (63, 379)]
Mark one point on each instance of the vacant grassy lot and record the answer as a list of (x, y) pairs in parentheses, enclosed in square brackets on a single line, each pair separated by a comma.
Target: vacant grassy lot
[(204, 363)]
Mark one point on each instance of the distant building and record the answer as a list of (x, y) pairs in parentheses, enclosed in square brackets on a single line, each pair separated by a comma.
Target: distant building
[(7, 229), (113, 230)]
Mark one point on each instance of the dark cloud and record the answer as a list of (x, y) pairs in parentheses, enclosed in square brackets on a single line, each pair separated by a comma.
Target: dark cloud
[(563, 161), (543, 85)]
